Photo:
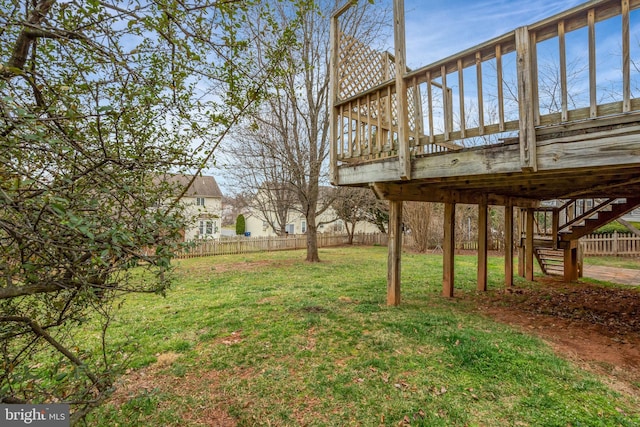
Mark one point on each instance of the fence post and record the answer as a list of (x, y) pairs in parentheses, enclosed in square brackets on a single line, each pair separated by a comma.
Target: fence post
[(615, 243)]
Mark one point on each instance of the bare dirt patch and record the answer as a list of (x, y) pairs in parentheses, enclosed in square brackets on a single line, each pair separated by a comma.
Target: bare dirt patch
[(154, 378), (595, 326)]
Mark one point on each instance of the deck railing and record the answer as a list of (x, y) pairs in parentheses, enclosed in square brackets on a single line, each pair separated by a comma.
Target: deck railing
[(521, 86)]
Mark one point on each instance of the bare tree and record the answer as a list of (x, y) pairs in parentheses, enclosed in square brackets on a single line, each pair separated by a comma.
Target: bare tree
[(266, 183), (353, 205), (417, 217), (296, 116), (378, 214)]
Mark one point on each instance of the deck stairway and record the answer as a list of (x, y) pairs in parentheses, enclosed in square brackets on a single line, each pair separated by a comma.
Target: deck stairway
[(570, 222), (551, 260)]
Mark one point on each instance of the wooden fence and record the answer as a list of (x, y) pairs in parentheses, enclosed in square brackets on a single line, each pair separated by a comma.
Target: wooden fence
[(614, 244), (242, 245)]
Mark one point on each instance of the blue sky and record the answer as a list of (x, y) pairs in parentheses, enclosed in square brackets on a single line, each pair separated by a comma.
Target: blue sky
[(436, 29)]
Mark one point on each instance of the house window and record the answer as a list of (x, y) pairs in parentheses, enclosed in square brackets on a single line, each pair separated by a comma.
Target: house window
[(290, 229), (206, 228), (200, 201), (304, 226)]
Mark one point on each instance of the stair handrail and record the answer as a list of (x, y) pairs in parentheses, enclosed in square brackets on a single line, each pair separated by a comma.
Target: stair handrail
[(598, 205)]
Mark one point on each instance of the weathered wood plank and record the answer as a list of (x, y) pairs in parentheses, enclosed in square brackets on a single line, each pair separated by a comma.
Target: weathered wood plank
[(482, 246), (526, 100), (480, 94), (593, 102), (430, 104), (395, 253), (520, 233), (499, 84), (463, 120), (448, 249), (426, 193), (528, 263), (553, 155), (570, 264), (333, 97), (563, 71), (626, 61), (508, 245), (402, 108)]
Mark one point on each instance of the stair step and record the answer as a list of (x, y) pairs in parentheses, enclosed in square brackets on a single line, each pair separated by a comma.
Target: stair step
[(559, 256), (549, 252), (553, 266), (552, 259)]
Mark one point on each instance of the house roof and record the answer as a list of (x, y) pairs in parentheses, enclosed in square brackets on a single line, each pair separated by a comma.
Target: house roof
[(203, 186)]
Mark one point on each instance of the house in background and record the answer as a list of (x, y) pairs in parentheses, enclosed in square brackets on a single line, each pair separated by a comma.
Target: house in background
[(261, 219), (203, 201), (328, 222), (633, 216)]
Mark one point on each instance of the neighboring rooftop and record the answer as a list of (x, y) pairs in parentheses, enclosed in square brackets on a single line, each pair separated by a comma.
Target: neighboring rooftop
[(203, 186)]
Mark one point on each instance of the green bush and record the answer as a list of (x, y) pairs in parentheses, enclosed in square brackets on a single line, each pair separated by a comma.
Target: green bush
[(615, 226), (240, 224)]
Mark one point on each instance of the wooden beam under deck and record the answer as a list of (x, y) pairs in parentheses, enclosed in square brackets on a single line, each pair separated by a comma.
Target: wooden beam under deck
[(566, 156), (397, 191)]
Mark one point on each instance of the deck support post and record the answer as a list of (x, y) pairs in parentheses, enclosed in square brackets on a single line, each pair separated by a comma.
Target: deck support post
[(580, 260), (402, 107), (571, 262), (529, 246), (448, 249), (482, 246), (521, 227), (508, 246), (525, 51), (395, 252), (334, 36)]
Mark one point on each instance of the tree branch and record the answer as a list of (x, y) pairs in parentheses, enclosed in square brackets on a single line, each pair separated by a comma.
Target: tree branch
[(21, 49), (38, 330)]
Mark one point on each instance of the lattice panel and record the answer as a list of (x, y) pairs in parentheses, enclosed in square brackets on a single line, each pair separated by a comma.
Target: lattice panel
[(369, 122), (360, 67)]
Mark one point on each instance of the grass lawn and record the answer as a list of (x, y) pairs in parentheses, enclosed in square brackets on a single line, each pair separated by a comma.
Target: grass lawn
[(267, 339), (611, 261)]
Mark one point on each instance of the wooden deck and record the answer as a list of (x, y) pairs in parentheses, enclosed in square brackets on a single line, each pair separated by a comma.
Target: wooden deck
[(483, 127)]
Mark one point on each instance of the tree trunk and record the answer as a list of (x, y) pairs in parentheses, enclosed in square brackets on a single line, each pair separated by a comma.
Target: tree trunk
[(351, 232), (312, 239)]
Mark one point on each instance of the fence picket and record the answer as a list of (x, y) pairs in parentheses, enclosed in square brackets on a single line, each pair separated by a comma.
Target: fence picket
[(616, 244)]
